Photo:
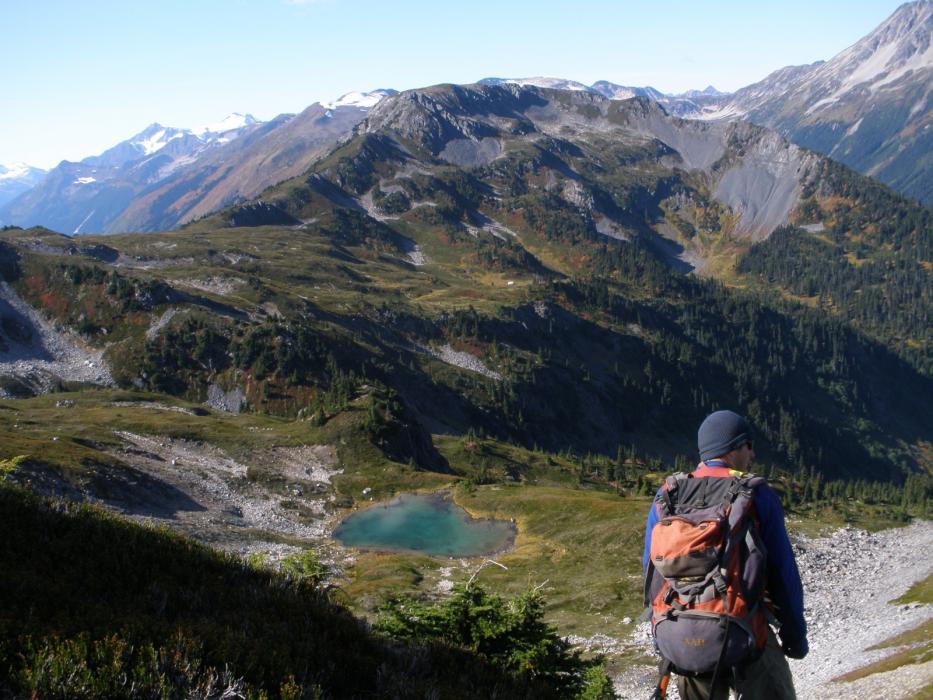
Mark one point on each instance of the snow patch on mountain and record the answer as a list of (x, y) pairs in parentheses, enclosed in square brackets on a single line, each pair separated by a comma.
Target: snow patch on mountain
[(900, 46), (624, 92), (867, 70), (229, 123), (606, 88), (362, 100), (918, 107), (718, 113), (78, 228), (917, 63), (156, 137), (16, 178), (852, 129), (619, 92), (541, 82), (157, 140)]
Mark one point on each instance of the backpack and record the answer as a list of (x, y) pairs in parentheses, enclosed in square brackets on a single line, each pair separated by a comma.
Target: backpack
[(705, 577)]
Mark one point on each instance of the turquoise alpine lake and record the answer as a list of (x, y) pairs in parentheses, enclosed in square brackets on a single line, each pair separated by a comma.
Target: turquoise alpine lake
[(427, 524)]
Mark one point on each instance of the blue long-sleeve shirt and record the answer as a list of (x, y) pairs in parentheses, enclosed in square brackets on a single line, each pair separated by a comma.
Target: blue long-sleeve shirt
[(783, 577)]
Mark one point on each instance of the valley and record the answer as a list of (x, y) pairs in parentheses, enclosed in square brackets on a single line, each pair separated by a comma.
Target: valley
[(519, 296)]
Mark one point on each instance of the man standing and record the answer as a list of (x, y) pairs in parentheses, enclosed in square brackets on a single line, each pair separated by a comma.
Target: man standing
[(725, 445)]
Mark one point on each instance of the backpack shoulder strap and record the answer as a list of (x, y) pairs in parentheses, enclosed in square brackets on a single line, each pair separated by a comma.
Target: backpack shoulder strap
[(741, 496), (743, 485)]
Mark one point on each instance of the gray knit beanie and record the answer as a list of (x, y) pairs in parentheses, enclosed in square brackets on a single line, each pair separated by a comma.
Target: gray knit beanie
[(722, 432)]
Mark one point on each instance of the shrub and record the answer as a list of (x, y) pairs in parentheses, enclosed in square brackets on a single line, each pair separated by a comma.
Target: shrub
[(511, 634)]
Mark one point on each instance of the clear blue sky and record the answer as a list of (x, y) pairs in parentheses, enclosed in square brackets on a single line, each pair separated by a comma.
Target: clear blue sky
[(78, 76)]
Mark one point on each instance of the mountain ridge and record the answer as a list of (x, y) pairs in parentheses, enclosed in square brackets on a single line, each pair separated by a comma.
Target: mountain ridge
[(869, 107), (88, 195), (464, 220), (823, 106), (468, 125), (163, 176)]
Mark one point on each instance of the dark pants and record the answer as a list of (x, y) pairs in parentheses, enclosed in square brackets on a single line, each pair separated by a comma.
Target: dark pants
[(767, 678)]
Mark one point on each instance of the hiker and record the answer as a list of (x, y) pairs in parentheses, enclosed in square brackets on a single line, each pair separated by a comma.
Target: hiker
[(753, 580)]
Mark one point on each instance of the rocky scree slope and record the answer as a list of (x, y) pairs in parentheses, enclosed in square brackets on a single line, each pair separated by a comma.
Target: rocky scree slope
[(36, 354), (849, 579)]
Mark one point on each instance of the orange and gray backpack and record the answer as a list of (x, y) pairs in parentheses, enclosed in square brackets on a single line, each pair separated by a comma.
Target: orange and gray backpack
[(705, 578)]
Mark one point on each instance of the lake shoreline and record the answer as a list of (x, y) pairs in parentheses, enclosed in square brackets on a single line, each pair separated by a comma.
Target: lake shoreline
[(442, 500)]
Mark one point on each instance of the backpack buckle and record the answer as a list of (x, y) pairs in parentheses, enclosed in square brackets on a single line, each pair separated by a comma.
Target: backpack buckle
[(719, 582)]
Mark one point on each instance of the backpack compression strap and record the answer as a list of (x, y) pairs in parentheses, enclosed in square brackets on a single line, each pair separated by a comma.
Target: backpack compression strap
[(667, 496)]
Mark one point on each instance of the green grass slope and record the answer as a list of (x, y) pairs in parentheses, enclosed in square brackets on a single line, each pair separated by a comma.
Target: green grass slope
[(92, 605)]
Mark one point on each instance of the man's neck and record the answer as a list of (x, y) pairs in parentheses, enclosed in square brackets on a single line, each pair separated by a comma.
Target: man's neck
[(717, 462)]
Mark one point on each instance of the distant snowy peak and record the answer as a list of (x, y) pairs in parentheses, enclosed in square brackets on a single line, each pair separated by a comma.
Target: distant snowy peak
[(615, 92), (605, 88), (709, 91), (624, 92), (361, 100), (20, 171), (16, 178), (540, 81), (902, 43), (155, 137), (900, 48)]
